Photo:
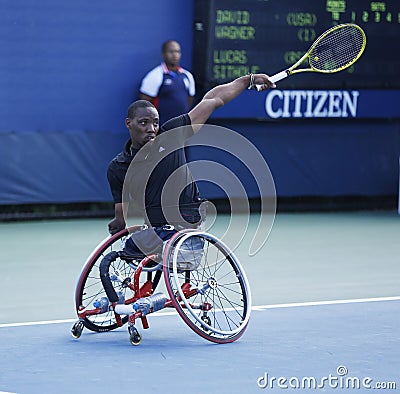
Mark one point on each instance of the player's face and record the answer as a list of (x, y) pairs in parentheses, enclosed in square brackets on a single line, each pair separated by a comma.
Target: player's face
[(143, 127), (172, 54)]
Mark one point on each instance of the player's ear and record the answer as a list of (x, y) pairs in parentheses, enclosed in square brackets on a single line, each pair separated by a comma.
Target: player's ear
[(128, 122)]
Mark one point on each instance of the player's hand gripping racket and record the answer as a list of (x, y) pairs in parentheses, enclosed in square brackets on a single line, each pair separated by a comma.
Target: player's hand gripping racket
[(335, 50)]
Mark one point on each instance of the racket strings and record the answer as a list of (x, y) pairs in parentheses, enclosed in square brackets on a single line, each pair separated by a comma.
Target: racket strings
[(338, 49)]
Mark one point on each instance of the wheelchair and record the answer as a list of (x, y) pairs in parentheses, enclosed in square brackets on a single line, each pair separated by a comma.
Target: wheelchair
[(204, 280)]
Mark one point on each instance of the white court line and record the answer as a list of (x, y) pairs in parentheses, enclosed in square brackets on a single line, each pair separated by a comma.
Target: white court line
[(332, 302), (37, 323), (254, 308)]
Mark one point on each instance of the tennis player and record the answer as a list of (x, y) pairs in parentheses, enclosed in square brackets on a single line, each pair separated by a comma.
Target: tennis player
[(143, 124)]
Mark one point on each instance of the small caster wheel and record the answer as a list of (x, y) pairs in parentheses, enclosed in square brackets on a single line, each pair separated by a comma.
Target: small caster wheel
[(134, 336), (206, 319), (77, 329)]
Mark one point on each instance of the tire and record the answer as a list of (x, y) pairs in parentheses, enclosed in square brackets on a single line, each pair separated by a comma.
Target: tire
[(90, 289), (211, 292)]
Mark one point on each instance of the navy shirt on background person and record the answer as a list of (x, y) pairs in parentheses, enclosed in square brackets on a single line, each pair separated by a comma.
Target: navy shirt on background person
[(168, 86)]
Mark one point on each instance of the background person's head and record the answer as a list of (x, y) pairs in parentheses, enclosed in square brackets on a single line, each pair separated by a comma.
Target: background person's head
[(171, 53)]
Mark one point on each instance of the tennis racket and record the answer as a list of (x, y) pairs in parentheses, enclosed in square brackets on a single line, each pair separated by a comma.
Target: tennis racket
[(335, 50)]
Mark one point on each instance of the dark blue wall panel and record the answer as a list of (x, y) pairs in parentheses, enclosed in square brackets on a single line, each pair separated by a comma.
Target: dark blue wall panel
[(56, 167), (69, 69), (76, 65), (328, 157)]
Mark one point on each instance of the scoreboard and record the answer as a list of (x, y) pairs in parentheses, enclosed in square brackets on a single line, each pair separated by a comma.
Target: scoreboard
[(236, 37)]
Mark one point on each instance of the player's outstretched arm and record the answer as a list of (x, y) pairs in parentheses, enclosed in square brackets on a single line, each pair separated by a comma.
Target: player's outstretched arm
[(222, 94)]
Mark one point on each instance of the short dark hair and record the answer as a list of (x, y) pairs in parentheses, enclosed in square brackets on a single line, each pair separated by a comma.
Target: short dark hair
[(165, 45), (138, 104)]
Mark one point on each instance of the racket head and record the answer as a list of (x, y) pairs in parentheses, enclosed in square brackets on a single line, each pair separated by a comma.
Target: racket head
[(337, 49)]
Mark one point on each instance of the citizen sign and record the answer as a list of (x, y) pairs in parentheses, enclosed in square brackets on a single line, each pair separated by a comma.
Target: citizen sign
[(311, 103)]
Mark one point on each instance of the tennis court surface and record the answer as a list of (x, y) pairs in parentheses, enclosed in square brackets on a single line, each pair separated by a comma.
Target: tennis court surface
[(325, 316)]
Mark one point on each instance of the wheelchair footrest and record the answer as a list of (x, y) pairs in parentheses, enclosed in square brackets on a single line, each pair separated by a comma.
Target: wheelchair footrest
[(145, 305)]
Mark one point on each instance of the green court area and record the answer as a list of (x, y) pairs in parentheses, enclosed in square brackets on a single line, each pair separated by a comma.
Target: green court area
[(307, 257)]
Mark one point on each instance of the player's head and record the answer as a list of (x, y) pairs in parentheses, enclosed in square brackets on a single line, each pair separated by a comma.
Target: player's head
[(171, 53), (142, 122), (138, 104)]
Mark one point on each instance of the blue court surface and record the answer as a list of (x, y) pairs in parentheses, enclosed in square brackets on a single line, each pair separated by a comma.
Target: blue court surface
[(311, 347), (325, 318)]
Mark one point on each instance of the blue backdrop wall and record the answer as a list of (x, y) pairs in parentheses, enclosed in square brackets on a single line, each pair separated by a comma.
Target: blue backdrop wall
[(69, 69)]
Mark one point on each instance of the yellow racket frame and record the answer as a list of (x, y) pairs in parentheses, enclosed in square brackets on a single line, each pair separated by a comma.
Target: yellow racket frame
[(293, 69)]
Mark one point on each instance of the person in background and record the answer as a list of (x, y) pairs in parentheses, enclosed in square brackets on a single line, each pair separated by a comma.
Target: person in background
[(169, 87)]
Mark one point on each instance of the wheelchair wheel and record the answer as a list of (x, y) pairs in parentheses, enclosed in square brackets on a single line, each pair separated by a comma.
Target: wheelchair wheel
[(207, 286), (90, 289)]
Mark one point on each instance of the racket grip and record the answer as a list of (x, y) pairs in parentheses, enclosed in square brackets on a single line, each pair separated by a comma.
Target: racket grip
[(279, 76)]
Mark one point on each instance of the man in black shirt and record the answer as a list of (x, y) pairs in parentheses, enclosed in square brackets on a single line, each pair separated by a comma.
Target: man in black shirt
[(152, 161)]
